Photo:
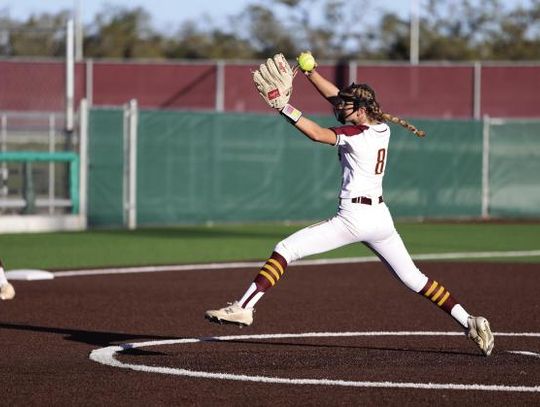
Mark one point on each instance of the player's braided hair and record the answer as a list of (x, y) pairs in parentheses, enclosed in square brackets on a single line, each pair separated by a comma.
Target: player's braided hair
[(363, 95)]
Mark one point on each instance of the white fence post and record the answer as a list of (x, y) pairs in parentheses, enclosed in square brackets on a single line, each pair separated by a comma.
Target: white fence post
[(52, 148), (130, 164), (220, 86), (353, 66), (485, 167), (3, 148), (477, 91), (83, 162), (89, 74)]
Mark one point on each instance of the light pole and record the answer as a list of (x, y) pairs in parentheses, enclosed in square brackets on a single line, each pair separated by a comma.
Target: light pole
[(414, 32), (79, 34), (70, 76)]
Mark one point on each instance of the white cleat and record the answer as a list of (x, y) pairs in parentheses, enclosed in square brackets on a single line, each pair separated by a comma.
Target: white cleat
[(232, 314), (7, 292), (480, 332)]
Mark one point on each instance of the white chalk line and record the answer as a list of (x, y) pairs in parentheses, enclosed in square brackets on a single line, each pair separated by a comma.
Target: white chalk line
[(526, 353), (256, 264), (106, 356)]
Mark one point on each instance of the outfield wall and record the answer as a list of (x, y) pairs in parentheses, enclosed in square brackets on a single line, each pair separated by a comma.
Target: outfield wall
[(195, 167), (427, 90)]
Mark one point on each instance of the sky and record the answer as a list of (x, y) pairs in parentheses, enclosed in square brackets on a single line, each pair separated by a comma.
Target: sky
[(167, 14), (164, 13)]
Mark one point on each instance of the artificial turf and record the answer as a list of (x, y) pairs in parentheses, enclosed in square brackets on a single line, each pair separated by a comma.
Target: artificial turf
[(201, 244)]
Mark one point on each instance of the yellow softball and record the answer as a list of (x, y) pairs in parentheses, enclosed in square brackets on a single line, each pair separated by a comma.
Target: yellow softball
[(306, 62)]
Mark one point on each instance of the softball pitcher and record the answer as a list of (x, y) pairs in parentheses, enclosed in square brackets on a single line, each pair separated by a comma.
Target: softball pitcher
[(362, 144), (7, 292)]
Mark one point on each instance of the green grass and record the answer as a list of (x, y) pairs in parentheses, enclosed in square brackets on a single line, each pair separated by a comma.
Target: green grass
[(240, 242)]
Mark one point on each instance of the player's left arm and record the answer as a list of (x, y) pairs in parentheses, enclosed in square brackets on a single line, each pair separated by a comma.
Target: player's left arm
[(313, 131), (310, 129), (316, 132)]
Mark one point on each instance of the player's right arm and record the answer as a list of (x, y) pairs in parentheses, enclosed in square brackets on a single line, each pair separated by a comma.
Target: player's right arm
[(326, 88), (308, 65)]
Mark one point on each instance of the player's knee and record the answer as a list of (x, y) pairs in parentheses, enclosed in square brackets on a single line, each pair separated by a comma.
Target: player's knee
[(286, 251), (414, 280)]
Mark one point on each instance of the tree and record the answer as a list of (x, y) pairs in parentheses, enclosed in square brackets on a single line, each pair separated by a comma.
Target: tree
[(265, 32), (518, 37), (446, 34), (457, 30), (394, 37), (195, 43), (331, 29), (40, 35), (123, 33)]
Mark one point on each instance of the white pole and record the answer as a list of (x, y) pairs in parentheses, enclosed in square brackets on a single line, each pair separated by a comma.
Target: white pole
[(90, 81), (477, 96), (4, 132), (125, 175), (4, 168), (220, 86), (83, 162), (353, 66), (52, 126), (132, 186), (70, 73), (414, 32), (79, 34), (485, 167)]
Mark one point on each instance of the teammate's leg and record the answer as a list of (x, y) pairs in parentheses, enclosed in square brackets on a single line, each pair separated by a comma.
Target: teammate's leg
[(7, 292), (318, 238), (393, 253)]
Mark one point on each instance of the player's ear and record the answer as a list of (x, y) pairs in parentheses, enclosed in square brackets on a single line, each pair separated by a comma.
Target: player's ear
[(363, 114)]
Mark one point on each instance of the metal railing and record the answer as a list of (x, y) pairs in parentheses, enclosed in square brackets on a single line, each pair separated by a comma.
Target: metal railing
[(39, 132)]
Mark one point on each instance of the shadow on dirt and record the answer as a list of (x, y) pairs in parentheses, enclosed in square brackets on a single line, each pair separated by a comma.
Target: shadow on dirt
[(95, 338)]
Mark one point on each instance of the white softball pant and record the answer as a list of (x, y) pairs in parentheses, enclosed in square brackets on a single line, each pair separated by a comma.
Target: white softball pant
[(356, 222)]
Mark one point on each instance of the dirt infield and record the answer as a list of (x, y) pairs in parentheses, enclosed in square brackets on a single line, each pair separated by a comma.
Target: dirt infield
[(48, 332)]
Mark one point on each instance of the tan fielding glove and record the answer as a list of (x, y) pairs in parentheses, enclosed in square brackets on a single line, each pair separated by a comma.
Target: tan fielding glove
[(273, 81)]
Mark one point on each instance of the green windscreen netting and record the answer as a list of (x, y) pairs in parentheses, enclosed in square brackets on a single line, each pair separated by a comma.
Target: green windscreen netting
[(439, 175), (196, 167), (514, 170), (105, 172)]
